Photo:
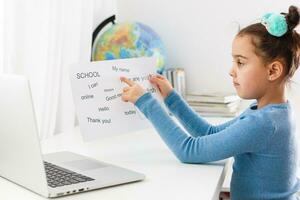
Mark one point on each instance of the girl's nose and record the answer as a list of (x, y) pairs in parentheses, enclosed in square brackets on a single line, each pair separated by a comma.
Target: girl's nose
[(231, 72)]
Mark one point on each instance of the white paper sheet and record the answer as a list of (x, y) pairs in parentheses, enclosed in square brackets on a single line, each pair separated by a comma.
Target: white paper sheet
[(97, 90)]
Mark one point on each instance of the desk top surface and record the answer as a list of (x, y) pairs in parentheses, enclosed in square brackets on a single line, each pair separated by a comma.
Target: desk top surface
[(145, 152)]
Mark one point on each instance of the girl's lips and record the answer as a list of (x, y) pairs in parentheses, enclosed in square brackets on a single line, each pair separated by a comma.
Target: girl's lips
[(235, 84)]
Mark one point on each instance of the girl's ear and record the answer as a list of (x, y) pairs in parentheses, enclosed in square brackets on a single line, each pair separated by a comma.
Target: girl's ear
[(275, 70)]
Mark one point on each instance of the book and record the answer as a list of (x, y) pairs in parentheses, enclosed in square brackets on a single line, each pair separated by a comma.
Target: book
[(176, 77), (213, 104), (209, 114), (214, 97), (215, 109)]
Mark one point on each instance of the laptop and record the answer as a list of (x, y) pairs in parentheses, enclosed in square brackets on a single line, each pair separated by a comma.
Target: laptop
[(51, 175)]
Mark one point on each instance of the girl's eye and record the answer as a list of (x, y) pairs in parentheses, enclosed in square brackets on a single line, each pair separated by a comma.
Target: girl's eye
[(240, 64)]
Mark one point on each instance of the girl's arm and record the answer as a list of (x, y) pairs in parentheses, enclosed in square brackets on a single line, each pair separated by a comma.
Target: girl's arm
[(248, 134), (192, 121)]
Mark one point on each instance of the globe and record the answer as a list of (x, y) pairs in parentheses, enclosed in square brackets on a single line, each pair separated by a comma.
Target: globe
[(129, 40)]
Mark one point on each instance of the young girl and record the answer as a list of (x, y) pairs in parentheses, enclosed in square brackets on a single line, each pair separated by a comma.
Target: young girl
[(262, 139)]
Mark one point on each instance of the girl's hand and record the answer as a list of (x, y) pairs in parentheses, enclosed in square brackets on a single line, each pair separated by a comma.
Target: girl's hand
[(163, 85), (132, 92)]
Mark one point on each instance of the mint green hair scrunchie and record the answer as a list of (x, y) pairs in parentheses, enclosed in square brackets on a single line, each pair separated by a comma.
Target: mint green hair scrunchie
[(275, 24)]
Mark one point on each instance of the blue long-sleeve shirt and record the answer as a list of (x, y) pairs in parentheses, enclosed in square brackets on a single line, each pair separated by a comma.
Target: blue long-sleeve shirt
[(262, 142)]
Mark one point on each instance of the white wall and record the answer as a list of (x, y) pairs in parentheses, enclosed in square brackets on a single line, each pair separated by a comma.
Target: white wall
[(102, 10), (198, 34)]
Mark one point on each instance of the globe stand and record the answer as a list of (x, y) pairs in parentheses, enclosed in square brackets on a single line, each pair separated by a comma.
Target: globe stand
[(100, 27)]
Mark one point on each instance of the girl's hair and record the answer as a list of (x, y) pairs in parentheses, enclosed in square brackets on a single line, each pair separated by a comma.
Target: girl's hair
[(285, 48)]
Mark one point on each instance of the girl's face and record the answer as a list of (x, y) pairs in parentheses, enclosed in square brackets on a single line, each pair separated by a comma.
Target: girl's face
[(249, 74)]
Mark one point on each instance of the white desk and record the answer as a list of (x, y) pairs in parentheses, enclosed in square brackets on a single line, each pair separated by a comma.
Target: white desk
[(145, 152)]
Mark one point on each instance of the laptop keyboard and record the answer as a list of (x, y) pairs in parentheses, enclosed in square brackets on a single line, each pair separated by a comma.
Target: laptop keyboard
[(58, 176)]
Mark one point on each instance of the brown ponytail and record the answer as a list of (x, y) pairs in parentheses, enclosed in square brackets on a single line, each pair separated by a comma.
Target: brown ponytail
[(293, 18)]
